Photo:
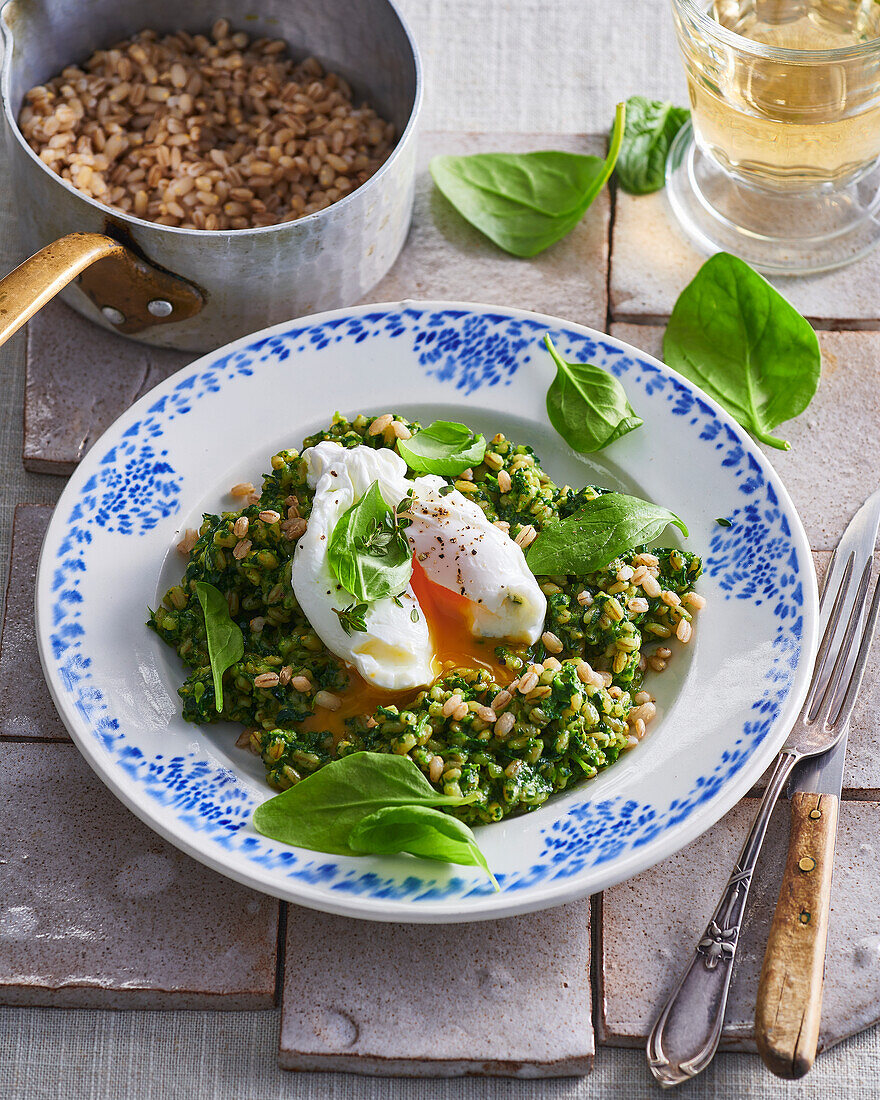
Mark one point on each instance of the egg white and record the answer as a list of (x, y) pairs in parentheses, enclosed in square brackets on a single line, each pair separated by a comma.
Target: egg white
[(394, 652)]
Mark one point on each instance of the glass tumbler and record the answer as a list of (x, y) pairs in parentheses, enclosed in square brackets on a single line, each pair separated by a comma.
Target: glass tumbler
[(781, 162)]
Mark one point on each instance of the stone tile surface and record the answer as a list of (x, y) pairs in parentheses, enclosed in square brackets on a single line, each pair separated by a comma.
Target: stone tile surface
[(508, 997), (26, 709), (653, 262), (651, 923), (79, 379), (98, 911), (834, 461), (828, 484), (444, 257)]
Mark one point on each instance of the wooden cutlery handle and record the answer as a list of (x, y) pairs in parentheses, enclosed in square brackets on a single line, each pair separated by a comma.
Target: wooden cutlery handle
[(789, 1007)]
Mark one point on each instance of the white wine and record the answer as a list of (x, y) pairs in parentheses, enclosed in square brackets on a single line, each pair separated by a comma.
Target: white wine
[(801, 24), (785, 122)]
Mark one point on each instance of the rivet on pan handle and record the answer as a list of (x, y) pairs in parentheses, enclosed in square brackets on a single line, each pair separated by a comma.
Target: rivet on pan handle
[(130, 293)]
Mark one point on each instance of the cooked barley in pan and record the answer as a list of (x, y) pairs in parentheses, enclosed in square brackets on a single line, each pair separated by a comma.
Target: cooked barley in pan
[(205, 132)]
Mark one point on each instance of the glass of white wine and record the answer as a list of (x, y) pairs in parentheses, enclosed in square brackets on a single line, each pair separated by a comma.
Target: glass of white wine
[(781, 162)]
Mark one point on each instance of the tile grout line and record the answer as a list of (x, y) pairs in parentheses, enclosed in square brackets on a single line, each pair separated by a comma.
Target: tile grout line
[(280, 953), (596, 965), (612, 211), (5, 592), (6, 587), (18, 739)]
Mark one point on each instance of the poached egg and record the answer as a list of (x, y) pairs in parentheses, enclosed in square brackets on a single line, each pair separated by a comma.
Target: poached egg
[(395, 651), (470, 587)]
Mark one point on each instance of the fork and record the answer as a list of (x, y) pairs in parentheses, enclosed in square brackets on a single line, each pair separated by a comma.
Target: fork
[(686, 1034)]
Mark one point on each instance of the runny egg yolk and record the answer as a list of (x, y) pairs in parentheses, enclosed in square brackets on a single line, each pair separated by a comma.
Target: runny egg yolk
[(449, 617)]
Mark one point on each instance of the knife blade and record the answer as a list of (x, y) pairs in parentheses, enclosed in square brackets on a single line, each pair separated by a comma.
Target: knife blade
[(788, 1010), (821, 774)]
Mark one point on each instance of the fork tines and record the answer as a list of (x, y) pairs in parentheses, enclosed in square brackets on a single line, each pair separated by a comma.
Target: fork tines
[(840, 662)]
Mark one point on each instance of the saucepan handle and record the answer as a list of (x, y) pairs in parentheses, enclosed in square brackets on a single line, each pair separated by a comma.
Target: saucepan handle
[(131, 293), (36, 281)]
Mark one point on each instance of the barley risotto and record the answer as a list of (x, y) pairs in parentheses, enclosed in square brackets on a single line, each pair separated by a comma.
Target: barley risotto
[(205, 131), (511, 723)]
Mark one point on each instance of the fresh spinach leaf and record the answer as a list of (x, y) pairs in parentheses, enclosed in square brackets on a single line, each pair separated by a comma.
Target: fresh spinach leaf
[(444, 447), (368, 552), (225, 640), (420, 831), (597, 533), (587, 405), (320, 812), (734, 335), (650, 128), (525, 202)]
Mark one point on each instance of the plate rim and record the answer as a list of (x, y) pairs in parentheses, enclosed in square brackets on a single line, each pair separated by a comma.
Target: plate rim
[(489, 906)]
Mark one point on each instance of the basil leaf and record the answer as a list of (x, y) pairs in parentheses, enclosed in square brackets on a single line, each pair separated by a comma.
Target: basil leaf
[(734, 335), (320, 812), (225, 640), (420, 831), (587, 405), (598, 533), (525, 202), (368, 553), (650, 128), (444, 447)]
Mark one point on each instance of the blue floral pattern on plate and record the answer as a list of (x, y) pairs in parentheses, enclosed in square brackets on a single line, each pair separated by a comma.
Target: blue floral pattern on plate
[(136, 488)]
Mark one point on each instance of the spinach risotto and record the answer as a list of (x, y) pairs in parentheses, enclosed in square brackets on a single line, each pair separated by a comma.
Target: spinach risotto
[(503, 721)]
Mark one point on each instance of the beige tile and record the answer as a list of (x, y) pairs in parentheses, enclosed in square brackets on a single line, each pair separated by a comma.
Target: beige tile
[(828, 490), (98, 911), (651, 923), (861, 773), (80, 378), (653, 262), (834, 461), (446, 258), (495, 998), (26, 710), (25, 706)]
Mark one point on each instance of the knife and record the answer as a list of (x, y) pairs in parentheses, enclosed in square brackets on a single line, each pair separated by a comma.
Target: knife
[(789, 1005)]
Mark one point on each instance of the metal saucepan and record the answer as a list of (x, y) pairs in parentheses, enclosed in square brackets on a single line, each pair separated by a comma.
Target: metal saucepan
[(198, 289)]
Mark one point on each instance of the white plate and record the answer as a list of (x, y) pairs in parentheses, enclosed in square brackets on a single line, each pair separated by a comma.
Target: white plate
[(725, 702)]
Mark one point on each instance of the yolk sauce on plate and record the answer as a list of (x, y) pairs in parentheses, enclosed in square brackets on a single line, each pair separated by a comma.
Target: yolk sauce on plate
[(449, 624)]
